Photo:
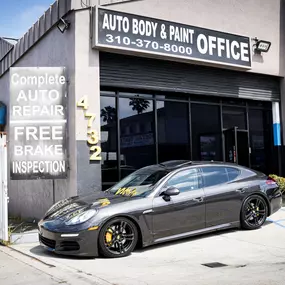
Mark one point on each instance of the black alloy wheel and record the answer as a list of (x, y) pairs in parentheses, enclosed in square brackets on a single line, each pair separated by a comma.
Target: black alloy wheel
[(254, 212), (118, 238)]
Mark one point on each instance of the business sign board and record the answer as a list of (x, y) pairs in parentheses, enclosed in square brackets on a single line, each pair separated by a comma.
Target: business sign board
[(38, 123), (117, 30)]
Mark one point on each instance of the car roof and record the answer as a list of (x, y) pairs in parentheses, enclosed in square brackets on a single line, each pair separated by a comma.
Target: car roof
[(176, 164)]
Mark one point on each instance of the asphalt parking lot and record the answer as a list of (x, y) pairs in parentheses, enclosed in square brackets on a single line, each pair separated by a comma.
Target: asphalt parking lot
[(249, 257)]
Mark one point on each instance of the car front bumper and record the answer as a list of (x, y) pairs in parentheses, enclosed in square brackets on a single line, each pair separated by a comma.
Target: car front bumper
[(83, 243)]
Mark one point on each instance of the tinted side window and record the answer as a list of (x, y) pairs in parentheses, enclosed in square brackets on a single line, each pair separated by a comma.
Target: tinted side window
[(214, 175), (186, 180), (233, 173)]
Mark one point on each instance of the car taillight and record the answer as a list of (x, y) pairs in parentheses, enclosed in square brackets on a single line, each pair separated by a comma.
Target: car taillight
[(270, 181)]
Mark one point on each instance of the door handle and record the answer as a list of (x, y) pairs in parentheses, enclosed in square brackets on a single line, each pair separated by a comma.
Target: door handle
[(200, 199), (241, 190)]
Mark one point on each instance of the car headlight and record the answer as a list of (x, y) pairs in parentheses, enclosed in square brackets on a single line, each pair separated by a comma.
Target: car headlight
[(81, 218)]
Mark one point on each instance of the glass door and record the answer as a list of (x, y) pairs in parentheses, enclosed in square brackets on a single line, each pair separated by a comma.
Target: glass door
[(236, 147), (230, 143)]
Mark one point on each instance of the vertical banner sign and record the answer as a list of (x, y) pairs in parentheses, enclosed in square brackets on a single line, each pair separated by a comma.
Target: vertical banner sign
[(124, 31), (38, 123)]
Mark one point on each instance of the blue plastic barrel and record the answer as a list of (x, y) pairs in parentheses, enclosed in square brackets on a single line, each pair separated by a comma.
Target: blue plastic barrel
[(2, 114)]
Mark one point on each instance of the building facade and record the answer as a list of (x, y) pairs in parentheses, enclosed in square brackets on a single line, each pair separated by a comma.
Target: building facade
[(154, 80)]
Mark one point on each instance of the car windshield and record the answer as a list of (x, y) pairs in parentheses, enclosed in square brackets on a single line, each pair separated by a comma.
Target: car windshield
[(139, 183)]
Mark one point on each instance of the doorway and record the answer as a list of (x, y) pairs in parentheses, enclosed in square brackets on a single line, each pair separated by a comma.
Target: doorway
[(236, 146)]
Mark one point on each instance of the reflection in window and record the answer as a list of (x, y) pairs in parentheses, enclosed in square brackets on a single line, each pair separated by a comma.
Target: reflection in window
[(186, 180), (137, 132), (214, 176), (173, 131), (262, 156), (136, 95), (108, 118), (206, 99), (233, 173), (234, 117), (180, 97), (206, 132), (233, 101), (137, 145)]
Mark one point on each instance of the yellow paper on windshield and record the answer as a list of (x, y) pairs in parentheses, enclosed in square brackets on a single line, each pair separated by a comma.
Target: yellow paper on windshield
[(127, 191)]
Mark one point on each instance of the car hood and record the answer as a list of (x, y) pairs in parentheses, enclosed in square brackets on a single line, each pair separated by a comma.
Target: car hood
[(95, 200)]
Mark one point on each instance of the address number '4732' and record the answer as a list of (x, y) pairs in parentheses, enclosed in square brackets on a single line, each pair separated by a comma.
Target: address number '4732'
[(93, 137)]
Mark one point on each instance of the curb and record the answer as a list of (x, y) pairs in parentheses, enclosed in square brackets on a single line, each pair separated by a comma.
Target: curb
[(62, 273), (30, 256)]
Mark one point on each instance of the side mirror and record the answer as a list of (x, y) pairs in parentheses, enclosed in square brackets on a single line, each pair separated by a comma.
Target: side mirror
[(170, 191)]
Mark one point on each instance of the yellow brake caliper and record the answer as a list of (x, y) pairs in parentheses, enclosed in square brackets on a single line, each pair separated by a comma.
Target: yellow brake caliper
[(109, 236)]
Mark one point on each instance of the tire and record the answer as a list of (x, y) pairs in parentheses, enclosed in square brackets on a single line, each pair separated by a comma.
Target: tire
[(122, 244), (254, 212)]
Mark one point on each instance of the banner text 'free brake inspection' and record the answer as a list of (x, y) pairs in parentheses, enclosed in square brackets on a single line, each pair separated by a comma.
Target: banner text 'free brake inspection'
[(132, 32), (38, 123)]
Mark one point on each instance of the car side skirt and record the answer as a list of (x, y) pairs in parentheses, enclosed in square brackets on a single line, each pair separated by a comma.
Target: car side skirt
[(199, 232)]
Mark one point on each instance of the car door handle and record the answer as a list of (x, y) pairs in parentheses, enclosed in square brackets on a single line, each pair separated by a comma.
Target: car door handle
[(241, 190), (200, 199)]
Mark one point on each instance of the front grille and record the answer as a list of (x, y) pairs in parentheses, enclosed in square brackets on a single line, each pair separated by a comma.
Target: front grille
[(69, 245), (47, 242)]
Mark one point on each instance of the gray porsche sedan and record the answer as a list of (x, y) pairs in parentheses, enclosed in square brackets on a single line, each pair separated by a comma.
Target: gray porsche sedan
[(159, 203)]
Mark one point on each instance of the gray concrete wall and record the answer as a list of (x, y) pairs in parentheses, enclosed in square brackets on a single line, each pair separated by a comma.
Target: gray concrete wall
[(30, 199), (87, 84), (253, 18)]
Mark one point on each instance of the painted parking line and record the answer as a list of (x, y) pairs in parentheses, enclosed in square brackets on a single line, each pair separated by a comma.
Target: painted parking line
[(277, 223)]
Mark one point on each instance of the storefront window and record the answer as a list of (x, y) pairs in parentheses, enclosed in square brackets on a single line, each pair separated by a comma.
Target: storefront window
[(206, 132), (206, 99), (180, 97), (137, 135), (260, 125), (108, 118), (136, 95), (173, 131), (233, 101), (234, 117)]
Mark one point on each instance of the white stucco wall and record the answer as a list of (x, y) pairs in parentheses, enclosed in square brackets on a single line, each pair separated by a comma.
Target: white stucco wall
[(30, 199)]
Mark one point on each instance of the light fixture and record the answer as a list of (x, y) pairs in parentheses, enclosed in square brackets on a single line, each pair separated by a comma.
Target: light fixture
[(63, 25), (261, 45)]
